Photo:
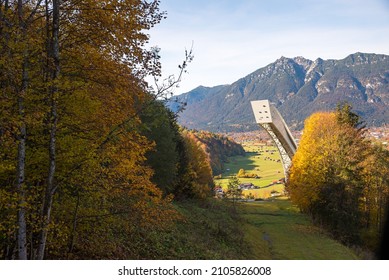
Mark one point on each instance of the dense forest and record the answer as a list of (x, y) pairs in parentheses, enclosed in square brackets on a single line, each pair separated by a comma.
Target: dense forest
[(219, 148), (340, 178), (90, 158)]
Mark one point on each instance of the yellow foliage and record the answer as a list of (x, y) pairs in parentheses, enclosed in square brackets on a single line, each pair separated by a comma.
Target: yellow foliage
[(198, 179), (102, 183), (327, 151), (340, 178)]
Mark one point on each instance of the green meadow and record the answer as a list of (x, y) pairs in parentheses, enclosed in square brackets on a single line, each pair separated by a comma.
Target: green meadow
[(275, 230), (261, 160), (272, 229)]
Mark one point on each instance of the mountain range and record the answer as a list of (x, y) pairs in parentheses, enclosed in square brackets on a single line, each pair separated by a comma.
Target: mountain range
[(298, 87)]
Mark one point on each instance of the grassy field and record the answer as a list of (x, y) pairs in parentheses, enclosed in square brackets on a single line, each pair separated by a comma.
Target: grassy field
[(274, 229), (265, 230), (261, 160), (209, 229)]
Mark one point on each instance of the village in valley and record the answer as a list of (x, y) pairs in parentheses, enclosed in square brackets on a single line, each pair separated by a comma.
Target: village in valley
[(260, 172)]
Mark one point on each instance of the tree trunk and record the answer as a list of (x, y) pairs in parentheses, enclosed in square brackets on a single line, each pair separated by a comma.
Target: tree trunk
[(53, 92), (21, 161), (22, 228)]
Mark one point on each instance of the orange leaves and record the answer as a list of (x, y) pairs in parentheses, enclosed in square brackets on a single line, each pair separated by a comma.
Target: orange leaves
[(315, 158), (331, 177), (197, 181), (102, 181)]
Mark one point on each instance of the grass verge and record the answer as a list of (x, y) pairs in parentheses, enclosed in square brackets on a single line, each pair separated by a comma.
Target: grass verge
[(275, 229), (210, 229)]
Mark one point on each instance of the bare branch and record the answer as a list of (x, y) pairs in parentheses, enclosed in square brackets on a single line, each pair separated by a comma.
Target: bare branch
[(165, 89)]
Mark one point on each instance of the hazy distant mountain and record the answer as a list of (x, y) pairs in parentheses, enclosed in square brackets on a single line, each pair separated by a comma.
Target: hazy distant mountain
[(298, 87)]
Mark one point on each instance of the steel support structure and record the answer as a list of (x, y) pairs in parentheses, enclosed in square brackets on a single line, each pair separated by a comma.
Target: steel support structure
[(268, 117)]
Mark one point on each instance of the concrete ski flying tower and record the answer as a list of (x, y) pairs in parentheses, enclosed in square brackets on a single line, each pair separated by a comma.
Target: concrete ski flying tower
[(268, 117)]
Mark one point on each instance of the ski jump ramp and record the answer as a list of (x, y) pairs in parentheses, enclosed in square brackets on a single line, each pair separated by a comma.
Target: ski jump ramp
[(268, 117)]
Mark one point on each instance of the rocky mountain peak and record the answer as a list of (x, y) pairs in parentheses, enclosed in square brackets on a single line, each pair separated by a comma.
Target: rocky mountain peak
[(298, 87), (303, 62)]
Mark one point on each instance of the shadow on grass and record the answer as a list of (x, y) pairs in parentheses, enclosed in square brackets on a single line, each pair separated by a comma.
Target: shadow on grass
[(246, 162)]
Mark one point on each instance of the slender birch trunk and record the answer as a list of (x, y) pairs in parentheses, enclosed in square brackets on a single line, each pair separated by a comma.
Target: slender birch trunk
[(53, 92), (20, 177), (21, 160)]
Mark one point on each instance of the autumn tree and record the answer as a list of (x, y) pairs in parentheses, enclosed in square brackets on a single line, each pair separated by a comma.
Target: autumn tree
[(219, 148), (325, 172), (241, 173), (195, 173), (374, 203), (337, 173), (19, 51), (71, 95), (108, 73), (234, 191)]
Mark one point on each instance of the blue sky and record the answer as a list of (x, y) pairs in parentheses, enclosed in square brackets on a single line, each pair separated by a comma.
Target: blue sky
[(234, 38)]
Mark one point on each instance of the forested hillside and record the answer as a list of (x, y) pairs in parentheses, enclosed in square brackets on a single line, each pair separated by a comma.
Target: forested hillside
[(219, 148), (90, 158)]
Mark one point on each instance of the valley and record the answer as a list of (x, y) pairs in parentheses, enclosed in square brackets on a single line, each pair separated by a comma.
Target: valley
[(261, 160), (272, 227)]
